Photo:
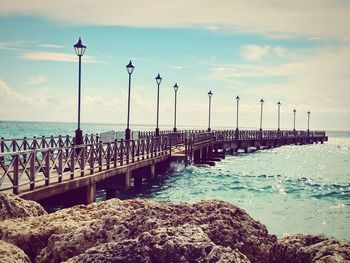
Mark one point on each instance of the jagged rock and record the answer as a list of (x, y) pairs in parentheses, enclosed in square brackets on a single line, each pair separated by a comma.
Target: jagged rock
[(134, 230), (11, 206), (224, 224), (186, 243), (12, 254), (31, 234), (310, 248)]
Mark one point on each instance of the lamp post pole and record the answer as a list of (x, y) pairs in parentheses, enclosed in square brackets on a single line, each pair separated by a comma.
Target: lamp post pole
[(279, 115), (210, 94), (176, 87), (130, 68), (158, 80), (79, 49), (237, 103), (308, 122), (237, 100), (261, 112), (294, 113)]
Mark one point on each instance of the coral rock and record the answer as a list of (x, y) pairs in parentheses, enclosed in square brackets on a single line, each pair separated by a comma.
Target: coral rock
[(310, 248), (11, 254), (11, 206), (186, 243)]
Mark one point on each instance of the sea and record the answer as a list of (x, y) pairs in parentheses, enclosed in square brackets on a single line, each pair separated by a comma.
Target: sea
[(290, 189)]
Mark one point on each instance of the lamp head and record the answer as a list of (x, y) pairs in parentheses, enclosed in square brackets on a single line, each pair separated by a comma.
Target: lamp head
[(237, 98), (279, 103), (176, 87), (79, 48), (294, 111), (130, 67), (210, 94), (262, 101), (158, 79)]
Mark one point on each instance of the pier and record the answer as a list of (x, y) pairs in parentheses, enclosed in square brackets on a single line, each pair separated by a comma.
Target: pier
[(41, 168)]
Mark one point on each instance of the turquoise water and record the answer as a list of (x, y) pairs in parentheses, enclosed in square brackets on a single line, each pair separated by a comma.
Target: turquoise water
[(290, 189)]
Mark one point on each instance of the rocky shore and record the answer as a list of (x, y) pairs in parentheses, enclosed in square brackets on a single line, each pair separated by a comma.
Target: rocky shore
[(147, 231)]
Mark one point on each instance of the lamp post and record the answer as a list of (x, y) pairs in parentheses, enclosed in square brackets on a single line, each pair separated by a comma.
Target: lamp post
[(237, 100), (210, 94), (80, 50), (130, 68), (261, 112), (308, 122), (176, 87), (158, 80), (279, 114), (294, 112)]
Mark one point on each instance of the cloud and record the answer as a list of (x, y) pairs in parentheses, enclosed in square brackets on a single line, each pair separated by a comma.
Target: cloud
[(313, 18), (254, 52), (178, 67), (9, 96), (319, 79), (36, 80), (13, 44), (54, 56), (51, 46)]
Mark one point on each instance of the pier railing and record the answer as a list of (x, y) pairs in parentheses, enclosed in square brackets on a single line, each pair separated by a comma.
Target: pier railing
[(23, 144), (24, 170), (244, 135)]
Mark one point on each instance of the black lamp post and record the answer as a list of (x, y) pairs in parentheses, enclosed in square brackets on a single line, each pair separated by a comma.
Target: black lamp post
[(261, 112), (294, 112), (279, 115), (237, 100), (130, 68), (79, 49), (210, 94), (176, 87), (308, 122), (158, 80)]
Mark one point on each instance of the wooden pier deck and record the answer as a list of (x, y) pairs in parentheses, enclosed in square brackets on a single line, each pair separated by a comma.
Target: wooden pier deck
[(37, 169)]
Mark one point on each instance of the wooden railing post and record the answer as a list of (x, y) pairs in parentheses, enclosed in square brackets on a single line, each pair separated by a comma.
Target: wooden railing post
[(138, 150), (60, 164), (34, 143), (82, 160), (43, 142), (133, 151), (2, 149), (121, 152), (52, 141), (115, 153), (15, 174), (14, 143), (100, 146), (32, 157), (24, 149), (47, 168), (91, 158), (127, 145), (108, 157), (68, 144), (72, 161)]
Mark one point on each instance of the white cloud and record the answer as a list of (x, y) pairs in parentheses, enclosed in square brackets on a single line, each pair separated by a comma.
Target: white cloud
[(10, 96), (254, 52), (178, 67), (314, 18), (318, 82), (54, 56), (36, 80), (50, 46)]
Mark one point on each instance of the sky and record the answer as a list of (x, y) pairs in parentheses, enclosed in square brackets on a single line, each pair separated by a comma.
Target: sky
[(295, 52)]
